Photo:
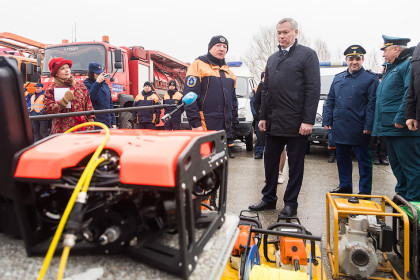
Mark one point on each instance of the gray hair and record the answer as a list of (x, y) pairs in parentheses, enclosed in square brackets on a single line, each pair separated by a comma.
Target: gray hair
[(292, 22), (401, 47)]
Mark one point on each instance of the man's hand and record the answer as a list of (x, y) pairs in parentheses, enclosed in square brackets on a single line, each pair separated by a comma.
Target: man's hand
[(397, 125), (365, 131), (327, 126), (305, 129), (412, 124), (262, 125), (199, 128)]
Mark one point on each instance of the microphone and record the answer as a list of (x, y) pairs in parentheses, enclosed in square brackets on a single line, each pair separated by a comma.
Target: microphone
[(187, 100)]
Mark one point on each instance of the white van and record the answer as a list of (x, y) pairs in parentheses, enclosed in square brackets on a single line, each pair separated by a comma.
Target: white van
[(245, 84)]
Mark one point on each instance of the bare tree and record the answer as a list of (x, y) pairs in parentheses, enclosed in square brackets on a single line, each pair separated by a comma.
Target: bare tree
[(373, 61), (263, 45), (322, 51)]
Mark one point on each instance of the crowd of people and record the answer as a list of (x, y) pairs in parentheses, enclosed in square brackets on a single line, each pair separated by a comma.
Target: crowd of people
[(361, 112)]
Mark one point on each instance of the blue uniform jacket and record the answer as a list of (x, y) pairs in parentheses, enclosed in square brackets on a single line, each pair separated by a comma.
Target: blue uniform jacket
[(216, 107), (147, 99), (391, 98), (101, 98), (350, 106), (173, 97)]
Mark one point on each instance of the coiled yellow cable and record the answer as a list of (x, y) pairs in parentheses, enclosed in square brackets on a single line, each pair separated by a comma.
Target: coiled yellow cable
[(69, 207), (264, 272)]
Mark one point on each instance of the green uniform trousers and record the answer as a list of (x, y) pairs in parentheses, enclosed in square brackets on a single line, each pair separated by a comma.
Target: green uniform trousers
[(404, 157)]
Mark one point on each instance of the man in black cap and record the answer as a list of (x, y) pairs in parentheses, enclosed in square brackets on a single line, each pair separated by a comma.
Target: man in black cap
[(36, 101), (402, 143), (349, 112), (173, 96), (210, 78), (147, 119), (290, 99)]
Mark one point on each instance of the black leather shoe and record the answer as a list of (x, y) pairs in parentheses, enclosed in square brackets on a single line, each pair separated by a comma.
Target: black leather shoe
[(288, 212), (342, 190), (258, 157), (384, 162), (376, 162), (262, 205)]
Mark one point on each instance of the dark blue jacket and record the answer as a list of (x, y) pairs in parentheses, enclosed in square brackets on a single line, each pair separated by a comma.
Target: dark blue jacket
[(216, 107), (350, 106), (391, 98), (173, 97), (101, 98), (147, 116)]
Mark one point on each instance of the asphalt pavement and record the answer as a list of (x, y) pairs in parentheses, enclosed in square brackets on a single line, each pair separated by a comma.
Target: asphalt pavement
[(245, 181)]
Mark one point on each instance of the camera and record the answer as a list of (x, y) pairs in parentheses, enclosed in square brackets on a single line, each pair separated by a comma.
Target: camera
[(107, 76)]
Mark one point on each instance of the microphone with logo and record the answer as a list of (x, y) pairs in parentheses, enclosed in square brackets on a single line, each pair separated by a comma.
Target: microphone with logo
[(187, 100)]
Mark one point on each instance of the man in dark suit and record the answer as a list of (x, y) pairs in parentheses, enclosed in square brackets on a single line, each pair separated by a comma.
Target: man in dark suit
[(289, 102)]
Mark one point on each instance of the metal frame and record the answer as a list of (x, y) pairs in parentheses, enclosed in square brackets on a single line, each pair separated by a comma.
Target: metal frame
[(334, 256), (415, 234)]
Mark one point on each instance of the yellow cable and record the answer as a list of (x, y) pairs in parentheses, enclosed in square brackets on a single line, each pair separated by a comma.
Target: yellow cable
[(66, 250), (73, 197), (63, 262), (91, 171)]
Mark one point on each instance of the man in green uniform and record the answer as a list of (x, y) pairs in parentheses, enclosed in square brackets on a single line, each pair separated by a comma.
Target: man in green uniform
[(403, 145)]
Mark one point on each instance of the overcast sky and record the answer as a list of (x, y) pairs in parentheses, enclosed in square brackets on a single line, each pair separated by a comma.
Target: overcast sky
[(183, 28)]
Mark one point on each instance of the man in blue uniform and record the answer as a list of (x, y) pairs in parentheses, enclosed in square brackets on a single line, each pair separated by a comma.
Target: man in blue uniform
[(403, 145), (100, 94), (210, 78), (349, 112), (173, 96)]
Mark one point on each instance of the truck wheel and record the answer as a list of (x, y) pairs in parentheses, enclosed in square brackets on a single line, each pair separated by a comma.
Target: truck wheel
[(126, 120), (249, 140)]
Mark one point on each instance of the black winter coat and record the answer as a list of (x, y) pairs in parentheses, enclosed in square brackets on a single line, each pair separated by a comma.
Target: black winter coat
[(412, 109), (291, 90)]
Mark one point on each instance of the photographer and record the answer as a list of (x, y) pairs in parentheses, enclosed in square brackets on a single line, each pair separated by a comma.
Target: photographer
[(100, 94)]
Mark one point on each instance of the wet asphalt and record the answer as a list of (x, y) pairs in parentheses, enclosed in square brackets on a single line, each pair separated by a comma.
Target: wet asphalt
[(245, 181)]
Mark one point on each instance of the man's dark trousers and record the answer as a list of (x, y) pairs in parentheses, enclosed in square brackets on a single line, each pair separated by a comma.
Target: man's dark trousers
[(345, 166), (296, 148)]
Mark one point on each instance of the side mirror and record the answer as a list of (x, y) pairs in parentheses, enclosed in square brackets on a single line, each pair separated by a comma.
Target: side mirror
[(38, 63), (29, 69), (118, 55), (118, 65)]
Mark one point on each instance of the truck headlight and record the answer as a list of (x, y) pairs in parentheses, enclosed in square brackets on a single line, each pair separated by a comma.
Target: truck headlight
[(241, 113), (318, 118)]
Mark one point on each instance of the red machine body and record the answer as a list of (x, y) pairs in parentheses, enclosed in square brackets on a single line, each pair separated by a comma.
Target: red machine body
[(147, 157)]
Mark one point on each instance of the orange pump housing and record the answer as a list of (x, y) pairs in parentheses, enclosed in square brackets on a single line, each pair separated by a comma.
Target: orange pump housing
[(292, 249)]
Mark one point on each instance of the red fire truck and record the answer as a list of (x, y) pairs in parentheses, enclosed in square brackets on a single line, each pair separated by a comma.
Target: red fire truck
[(129, 68)]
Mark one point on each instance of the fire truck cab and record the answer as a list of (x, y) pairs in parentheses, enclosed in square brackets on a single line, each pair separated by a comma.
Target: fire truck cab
[(129, 68)]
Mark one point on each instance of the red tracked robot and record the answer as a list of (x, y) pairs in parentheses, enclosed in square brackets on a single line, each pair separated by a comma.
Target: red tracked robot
[(143, 200)]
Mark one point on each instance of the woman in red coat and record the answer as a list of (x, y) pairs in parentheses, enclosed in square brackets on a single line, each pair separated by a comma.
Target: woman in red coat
[(75, 99)]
